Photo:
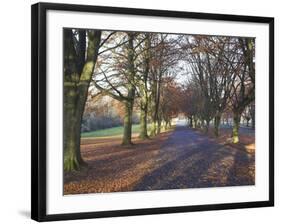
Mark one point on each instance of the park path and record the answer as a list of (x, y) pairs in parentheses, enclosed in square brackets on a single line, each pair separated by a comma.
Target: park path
[(189, 159)]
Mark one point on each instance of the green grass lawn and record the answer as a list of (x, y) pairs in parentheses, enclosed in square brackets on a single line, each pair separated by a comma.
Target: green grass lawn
[(109, 132)]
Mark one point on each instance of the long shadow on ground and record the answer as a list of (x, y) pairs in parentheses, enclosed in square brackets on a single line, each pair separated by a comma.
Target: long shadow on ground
[(191, 160)]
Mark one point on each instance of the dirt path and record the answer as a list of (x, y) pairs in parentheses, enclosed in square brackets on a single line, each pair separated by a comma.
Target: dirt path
[(183, 158), (189, 159)]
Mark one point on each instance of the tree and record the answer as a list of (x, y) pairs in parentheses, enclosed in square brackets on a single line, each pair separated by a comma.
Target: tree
[(246, 115), (80, 55), (171, 100), (252, 114), (223, 68), (243, 89), (210, 58), (143, 86), (199, 63), (219, 63), (192, 104), (115, 77), (164, 61)]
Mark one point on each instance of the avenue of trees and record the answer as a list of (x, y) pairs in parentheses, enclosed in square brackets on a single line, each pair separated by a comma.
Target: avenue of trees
[(206, 78), (221, 82), (137, 69)]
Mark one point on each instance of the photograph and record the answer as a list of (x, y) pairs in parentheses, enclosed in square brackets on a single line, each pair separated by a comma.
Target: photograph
[(147, 111), (139, 111)]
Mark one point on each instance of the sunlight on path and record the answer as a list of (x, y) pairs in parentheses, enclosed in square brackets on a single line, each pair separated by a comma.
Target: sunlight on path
[(181, 122), (191, 160)]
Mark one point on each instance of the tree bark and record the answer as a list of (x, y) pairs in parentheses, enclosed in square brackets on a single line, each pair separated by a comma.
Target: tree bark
[(143, 120), (195, 124), (207, 126), (217, 125), (76, 84), (129, 102), (127, 134), (191, 122), (236, 126), (154, 109), (144, 91), (166, 125), (159, 122), (170, 123), (153, 128), (253, 122), (72, 157)]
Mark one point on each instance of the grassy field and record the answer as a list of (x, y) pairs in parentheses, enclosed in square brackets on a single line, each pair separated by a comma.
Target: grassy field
[(109, 132)]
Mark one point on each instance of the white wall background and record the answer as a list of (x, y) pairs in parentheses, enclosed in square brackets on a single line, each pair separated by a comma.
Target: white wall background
[(15, 110)]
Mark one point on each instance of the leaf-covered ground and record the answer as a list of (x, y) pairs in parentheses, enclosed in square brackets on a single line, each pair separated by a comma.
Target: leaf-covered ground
[(113, 167), (246, 138), (183, 158)]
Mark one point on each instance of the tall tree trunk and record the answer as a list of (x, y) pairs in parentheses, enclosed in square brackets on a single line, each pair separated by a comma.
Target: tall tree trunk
[(170, 123), (153, 128), (247, 124), (159, 122), (253, 121), (191, 122), (72, 157), (236, 126), (195, 124), (74, 104), (127, 134), (144, 91), (77, 79), (154, 109), (217, 125), (207, 126), (129, 102), (143, 120), (166, 124), (156, 94)]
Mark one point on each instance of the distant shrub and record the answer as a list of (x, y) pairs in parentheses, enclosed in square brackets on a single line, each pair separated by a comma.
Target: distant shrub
[(104, 112), (93, 123)]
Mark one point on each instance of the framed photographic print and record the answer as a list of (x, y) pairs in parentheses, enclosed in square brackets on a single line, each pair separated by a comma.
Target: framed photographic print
[(138, 111)]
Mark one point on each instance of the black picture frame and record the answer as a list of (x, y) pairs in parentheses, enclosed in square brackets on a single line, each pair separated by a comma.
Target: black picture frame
[(38, 108)]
